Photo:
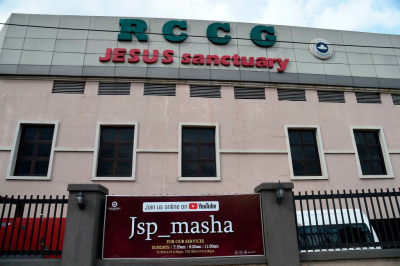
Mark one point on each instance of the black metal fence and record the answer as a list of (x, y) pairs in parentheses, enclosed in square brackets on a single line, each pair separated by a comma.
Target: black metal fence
[(32, 227), (348, 220)]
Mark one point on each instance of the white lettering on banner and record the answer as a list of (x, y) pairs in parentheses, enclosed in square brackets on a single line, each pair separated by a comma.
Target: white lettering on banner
[(181, 206), (204, 227)]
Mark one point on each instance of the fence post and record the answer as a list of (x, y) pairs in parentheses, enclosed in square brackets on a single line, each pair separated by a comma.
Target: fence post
[(280, 236), (83, 229)]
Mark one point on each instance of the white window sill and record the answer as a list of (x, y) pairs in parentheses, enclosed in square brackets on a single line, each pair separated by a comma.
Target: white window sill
[(113, 178), (376, 176), (199, 179), (45, 178), (308, 177)]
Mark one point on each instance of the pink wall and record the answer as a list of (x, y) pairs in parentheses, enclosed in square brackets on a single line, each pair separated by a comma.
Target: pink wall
[(244, 125)]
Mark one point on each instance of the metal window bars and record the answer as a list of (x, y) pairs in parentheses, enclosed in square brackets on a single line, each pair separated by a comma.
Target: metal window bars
[(348, 220), (32, 227)]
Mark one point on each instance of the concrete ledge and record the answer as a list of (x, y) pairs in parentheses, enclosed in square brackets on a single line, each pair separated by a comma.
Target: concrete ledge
[(350, 254), (272, 186), (185, 261), (30, 262), (88, 187)]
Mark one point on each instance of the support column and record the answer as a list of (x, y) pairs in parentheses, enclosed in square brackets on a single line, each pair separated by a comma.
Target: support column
[(83, 229), (279, 225)]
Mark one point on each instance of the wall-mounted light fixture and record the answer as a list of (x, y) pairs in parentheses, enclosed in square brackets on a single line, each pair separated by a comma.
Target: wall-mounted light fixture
[(80, 199), (280, 192)]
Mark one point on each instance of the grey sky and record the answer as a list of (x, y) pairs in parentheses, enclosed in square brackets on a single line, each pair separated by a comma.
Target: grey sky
[(380, 16)]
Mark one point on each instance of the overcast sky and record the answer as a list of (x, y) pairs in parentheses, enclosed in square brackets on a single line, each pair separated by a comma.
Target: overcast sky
[(380, 16)]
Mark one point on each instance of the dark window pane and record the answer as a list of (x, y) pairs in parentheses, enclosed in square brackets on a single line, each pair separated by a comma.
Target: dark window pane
[(23, 168), (294, 137), (29, 133), (308, 136), (46, 133), (43, 150), (371, 137), (126, 134), (206, 135), (41, 168), (297, 153), (189, 169), (375, 152), (189, 135), (362, 153), (124, 169), (366, 168), (108, 133), (207, 152), (313, 168), (107, 151), (298, 168), (105, 169), (208, 169), (378, 169), (189, 152), (125, 151), (310, 152), (26, 150), (359, 137)]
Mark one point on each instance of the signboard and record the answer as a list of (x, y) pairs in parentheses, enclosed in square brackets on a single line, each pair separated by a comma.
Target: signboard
[(182, 226)]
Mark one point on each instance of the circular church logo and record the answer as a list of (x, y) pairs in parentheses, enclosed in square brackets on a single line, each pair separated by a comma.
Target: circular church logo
[(321, 48), (114, 204)]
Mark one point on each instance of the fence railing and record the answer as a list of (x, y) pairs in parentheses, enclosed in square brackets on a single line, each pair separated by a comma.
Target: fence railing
[(348, 220), (32, 227)]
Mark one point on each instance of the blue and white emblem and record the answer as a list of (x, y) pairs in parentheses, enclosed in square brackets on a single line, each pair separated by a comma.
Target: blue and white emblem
[(321, 48)]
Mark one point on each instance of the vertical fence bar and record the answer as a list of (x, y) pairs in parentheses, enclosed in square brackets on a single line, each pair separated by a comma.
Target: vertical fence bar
[(27, 225), (336, 220), (387, 215), (348, 216), (369, 218), (394, 218), (44, 251), (381, 217), (40, 226), (33, 225), (398, 208), (304, 224), (12, 228), (323, 221), (344, 229), (309, 221), (2, 216), (376, 221), (20, 224), (8, 219), (316, 221), (330, 221), (60, 224), (52, 227), (362, 220), (356, 220)]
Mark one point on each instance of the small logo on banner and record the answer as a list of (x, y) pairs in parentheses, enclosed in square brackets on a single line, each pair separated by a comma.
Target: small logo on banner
[(192, 206), (114, 206), (321, 48)]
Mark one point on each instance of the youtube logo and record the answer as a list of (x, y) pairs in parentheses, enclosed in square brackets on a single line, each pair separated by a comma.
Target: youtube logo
[(192, 206)]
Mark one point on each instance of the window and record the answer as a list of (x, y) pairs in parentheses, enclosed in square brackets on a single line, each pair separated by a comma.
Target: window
[(304, 151), (32, 153), (34, 150), (115, 151), (306, 155), (291, 95), (372, 155), (370, 152), (199, 153)]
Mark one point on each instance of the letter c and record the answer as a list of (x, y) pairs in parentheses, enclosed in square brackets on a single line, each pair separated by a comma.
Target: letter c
[(168, 30), (212, 34)]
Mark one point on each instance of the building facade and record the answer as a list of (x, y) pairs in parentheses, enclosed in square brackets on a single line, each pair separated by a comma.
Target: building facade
[(162, 106)]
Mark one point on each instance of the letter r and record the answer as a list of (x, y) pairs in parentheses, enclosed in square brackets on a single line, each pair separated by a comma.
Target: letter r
[(132, 26)]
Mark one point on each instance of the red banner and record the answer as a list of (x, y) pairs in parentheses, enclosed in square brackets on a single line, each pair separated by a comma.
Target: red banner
[(182, 226)]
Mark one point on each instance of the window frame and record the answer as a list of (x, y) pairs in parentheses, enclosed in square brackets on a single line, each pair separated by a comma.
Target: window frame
[(97, 148), (217, 152), (384, 150), (321, 152), (15, 148)]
